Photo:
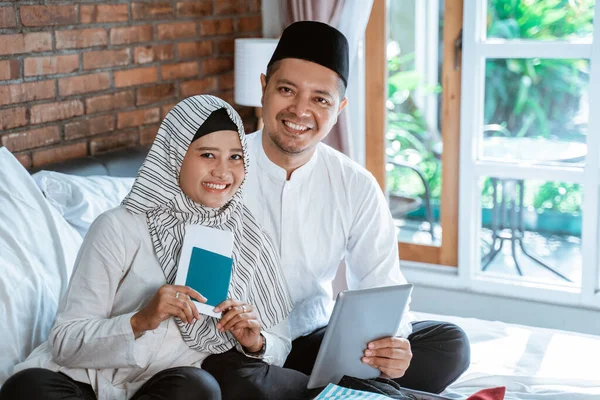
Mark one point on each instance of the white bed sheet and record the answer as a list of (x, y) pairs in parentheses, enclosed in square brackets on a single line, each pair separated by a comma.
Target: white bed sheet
[(533, 363)]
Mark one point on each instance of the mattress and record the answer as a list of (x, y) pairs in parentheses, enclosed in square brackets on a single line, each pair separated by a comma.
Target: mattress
[(532, 363)]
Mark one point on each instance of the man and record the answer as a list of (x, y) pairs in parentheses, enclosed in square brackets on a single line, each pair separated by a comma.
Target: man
[(319, 207)]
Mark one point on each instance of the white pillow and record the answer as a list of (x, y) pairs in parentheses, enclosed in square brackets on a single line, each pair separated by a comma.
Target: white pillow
[(80, 199), (37, 252)]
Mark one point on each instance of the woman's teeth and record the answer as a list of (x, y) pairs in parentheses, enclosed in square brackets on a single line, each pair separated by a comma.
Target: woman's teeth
[(296, 127), (214, 186)]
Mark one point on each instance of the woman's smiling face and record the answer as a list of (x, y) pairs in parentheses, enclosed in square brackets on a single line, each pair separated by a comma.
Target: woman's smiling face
[(213, 168)]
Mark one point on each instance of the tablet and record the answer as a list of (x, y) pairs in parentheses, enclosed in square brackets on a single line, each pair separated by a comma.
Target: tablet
[(359, 317)]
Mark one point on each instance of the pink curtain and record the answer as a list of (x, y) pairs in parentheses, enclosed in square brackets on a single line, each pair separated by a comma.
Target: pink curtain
[(329, 12)]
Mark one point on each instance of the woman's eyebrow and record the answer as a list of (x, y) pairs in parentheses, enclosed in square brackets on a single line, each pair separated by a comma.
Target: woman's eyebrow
[(207, 149), (217, 149)]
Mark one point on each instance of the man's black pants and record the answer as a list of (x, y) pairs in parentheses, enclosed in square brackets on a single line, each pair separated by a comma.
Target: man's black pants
[(181, 383), (441, 353)]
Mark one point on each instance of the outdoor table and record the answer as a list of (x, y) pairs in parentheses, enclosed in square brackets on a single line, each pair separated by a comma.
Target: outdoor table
[(507, 207)]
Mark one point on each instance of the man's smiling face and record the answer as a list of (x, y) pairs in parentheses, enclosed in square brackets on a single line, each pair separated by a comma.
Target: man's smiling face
[(301, 103)]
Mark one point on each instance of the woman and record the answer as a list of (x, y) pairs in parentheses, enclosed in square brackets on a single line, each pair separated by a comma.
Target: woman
[(123, 329)]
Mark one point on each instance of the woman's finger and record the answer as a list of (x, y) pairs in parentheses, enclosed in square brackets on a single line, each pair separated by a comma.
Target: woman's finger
[(226, 325), (175, 311), (190, 292), (245, 324), (193, 307), (240, 317), (229, 314), (190, 304), (181, 303), (185, 306), (226, 305)]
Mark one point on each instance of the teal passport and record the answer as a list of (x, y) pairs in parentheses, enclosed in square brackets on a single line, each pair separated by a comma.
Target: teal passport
[(209, 274)]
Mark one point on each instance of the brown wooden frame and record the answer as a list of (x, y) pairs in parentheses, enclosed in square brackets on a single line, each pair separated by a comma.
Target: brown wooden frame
[(375, 55)]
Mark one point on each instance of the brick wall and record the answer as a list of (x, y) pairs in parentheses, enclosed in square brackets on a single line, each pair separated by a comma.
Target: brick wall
[(88, 76)]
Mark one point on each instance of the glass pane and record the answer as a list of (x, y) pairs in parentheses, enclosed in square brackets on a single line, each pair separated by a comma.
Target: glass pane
[(540, 19), (536, 110), (413, 140), (531, 230)]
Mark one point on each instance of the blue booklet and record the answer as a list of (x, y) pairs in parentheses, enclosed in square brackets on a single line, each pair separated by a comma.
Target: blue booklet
[(205, 265)]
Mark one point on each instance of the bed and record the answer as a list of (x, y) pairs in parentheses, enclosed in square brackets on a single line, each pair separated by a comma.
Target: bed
[(45, 215)]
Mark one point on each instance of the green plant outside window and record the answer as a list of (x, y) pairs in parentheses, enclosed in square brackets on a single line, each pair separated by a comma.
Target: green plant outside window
[(537, 98)]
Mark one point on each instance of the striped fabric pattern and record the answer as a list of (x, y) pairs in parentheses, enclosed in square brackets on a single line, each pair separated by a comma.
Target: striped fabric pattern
[(335, 392), (256, 275)]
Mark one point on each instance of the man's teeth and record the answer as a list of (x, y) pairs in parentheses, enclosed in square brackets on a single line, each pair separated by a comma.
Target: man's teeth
[(214, 186), (296, 127)]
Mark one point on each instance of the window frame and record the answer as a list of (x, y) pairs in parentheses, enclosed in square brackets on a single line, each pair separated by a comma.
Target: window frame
[(376, 95)]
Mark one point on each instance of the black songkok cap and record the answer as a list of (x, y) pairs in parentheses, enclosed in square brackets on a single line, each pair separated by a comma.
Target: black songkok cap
[(218, 120), (317, 42)]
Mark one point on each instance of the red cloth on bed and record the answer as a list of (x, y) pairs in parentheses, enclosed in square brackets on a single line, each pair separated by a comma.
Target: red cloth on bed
[(496, 393)]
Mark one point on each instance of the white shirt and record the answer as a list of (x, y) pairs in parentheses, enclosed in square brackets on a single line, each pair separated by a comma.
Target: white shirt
[(331, 208), (92, 341)]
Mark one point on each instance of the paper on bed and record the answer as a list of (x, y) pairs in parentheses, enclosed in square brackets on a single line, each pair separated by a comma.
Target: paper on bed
[(334, 392), (205, 265)]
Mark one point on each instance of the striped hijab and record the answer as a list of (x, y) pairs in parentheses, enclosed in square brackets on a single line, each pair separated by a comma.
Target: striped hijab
[(256, 276)]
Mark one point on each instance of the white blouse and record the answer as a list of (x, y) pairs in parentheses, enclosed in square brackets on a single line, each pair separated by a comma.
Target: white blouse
[(331, 208), (92, 341)]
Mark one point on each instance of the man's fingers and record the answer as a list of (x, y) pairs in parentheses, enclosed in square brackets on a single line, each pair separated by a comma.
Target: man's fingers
[(390, 355), (392, 363), (380, 362), (388, 352), (396, 342), (385, 352)]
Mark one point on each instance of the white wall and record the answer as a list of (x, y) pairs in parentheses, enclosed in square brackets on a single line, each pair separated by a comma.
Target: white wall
[(464, 304)]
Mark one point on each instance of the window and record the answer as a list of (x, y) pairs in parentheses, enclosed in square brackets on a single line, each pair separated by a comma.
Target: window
[(529, 152), (520, 145), (405, 41)]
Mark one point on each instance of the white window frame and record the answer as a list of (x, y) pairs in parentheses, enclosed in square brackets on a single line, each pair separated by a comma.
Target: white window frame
[(427, 25), (476, 49)]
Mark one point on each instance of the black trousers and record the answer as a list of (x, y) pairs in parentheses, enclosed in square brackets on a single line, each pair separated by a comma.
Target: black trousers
[(181, 383), (441, 353)]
